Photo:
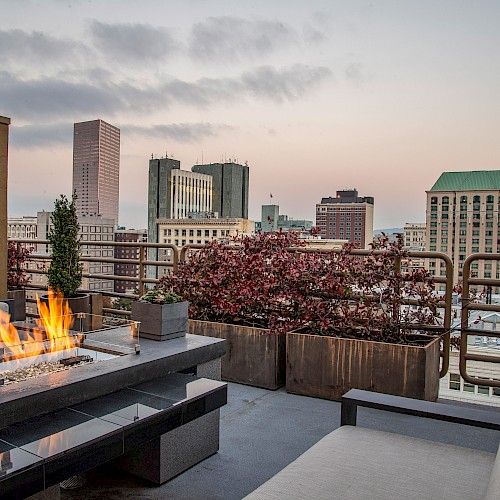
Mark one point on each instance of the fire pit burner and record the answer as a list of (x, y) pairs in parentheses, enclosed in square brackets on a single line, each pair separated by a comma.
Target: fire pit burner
[(73, 360)]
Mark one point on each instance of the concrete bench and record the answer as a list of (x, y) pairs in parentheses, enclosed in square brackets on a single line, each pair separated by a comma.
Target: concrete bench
[(127, 425), (354, 463)]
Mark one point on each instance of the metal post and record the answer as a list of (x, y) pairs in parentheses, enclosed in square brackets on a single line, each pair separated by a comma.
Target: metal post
[(4, 155)]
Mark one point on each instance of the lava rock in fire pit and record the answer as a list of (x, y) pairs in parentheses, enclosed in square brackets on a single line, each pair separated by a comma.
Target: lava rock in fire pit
[(74, 360)]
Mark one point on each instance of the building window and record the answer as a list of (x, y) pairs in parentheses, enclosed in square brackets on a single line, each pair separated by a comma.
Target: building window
[(445, 200), (433, 224), (445, 208), (477, 199), (434, 209), (454, 381), (434, 200), (490, 199)]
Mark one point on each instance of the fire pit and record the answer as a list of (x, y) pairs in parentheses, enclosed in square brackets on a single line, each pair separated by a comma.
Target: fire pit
[(58, 341)]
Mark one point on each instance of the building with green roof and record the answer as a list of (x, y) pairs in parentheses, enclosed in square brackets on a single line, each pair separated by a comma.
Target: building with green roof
[(462, 219), (476, 180)]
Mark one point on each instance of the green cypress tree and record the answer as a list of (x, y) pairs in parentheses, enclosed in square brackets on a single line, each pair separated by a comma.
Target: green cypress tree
[(65, 270)]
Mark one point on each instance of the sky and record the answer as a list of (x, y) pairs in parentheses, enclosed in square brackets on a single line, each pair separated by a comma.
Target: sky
[(317, 96)]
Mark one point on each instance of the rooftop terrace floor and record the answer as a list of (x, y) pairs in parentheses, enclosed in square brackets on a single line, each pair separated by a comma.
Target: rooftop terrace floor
[(261, 432)]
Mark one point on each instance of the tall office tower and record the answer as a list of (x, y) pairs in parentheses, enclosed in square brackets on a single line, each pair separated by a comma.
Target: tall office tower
[(159, 201), (229, 186), (462, 218), (96, 169), (347, 216)]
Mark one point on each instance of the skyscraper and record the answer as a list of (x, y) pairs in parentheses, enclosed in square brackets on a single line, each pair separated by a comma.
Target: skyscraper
[(96, 169), (229, 187)]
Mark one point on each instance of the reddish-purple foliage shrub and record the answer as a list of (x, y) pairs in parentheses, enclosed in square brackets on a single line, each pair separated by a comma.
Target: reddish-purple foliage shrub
[(16, 274), (260, 281)]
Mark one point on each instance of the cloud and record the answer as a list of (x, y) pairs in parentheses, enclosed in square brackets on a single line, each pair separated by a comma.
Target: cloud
[(44, 98), (48, 98), (44, 135), (180, 132), (34, 46), (228, 39), (286, 84), (139, 43)]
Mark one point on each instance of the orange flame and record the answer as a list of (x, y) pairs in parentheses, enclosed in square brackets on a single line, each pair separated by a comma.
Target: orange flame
[(56, 319), (55, 323)]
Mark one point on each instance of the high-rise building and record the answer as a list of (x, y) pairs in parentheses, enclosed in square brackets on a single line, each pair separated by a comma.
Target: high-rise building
[(462, 218), (159, 201), (347, 216), (96, 169), (229, 186)]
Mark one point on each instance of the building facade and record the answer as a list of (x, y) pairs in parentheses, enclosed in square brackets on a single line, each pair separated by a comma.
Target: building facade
[(96, 169), (270, 218), (200, 231), (92, 229), (159, 200), (229, 188), (127, 252), (346, 217), (190, 192), (414, 236), (22, 227), (462, 218)]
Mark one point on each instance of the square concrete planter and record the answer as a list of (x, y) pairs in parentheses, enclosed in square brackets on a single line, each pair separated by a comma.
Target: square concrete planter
[(254, 356), (161, 321), (327, 367)]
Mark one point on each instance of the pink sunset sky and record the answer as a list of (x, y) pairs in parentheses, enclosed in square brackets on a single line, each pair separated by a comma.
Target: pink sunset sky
[(316, 96)]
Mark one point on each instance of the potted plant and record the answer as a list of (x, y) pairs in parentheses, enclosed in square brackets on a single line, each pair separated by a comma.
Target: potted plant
[(163, 315), (17, 278), (244, 293), (362, 334), (65, 271)]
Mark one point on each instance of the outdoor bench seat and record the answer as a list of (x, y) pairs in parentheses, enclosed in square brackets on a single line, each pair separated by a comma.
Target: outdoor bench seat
[(355, 463), (40, 452)]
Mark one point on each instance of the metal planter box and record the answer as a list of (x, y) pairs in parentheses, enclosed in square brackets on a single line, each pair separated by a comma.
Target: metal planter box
[(161, 321), (327, 367), (254, 356)]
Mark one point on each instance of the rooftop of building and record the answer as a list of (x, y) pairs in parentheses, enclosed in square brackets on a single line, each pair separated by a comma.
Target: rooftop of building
[(476, 180), (262, 432)]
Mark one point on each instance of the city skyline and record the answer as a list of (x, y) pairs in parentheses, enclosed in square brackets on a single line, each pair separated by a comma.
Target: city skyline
[(317, 97)]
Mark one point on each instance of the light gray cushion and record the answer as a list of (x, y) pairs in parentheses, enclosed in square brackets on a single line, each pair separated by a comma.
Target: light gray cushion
[(355, 463), (493, 492)]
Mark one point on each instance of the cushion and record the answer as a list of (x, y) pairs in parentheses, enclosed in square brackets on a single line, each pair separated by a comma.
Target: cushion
[(354, 463), (493, 492)]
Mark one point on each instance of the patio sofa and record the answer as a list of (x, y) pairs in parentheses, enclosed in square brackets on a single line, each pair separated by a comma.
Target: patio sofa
[(355, 463)]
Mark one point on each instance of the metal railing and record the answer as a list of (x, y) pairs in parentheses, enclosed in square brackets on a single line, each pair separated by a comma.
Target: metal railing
[(469, 304), (181, 255), (42, 260)]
